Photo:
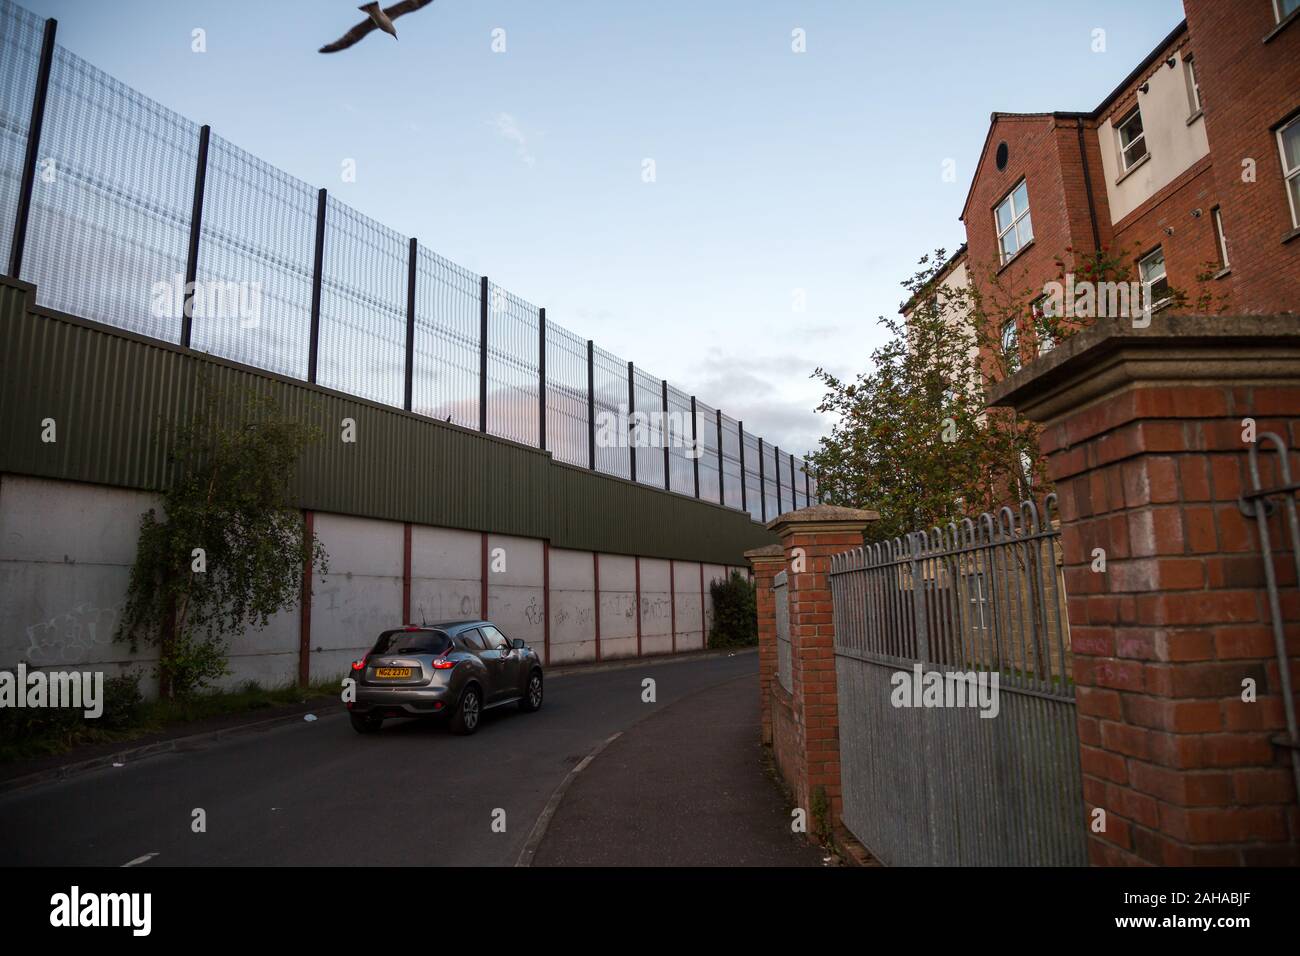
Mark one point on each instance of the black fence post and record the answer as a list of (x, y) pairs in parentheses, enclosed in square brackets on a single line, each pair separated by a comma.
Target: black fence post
[(196, 227), (313, 346), (776, 458), (33, 148), (410, 325), (663, 436), (695, 447), (541, 379), (794, 502), (807, 485), (591, 404), (744, 497), (762, 483), (482, 352), (722, 478), (631, 413)]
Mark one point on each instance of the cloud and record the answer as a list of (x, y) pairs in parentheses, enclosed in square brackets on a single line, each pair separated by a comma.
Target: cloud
[(508, 129)]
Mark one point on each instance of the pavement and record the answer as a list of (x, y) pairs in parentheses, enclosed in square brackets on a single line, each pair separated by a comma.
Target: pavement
[(318, 794), (684, 787)]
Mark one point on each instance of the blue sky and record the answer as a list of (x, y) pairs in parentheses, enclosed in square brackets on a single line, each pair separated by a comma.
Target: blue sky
[(775, 171)]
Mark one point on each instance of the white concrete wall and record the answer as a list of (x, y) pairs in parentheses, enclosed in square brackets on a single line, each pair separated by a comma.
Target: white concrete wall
[(617, 606), (362, 593), (690, 633), (656, 607), (516, 595), (66, 550), (573, 606), (446, 575)]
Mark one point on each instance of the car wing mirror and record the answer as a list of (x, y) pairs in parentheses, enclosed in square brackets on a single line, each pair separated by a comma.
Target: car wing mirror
[(518, 644)]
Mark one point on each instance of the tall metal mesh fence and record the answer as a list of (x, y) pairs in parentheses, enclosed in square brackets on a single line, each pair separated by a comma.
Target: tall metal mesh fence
[(445, 383), (514, 349), (20, 54), (770, 485), (566, 395), (109, 230), (651, 436), (108, 239)]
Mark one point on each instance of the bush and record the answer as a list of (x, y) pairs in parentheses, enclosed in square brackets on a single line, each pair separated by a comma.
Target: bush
[(735, 613)]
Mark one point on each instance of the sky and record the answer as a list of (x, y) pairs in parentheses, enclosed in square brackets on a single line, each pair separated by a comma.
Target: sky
[(792, 191)]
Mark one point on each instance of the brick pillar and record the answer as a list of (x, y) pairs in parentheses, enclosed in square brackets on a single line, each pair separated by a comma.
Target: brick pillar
[(1143, 431), (767, 563), (809, 537)]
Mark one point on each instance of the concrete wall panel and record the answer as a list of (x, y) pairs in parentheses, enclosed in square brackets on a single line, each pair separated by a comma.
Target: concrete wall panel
[(573, 606), (656, 607), (617, 606)]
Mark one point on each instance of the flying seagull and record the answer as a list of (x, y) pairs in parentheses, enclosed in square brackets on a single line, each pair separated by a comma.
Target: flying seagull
[(377, 19)]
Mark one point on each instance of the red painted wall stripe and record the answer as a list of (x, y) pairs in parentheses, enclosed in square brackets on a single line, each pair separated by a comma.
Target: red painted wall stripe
[(546, 603), (304, 613), (483, 576), (704, 631), (638, 606), (595, 563), (672, 600), (406, 573)]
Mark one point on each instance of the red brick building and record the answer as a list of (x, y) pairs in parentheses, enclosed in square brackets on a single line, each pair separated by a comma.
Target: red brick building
[(1189, 170)]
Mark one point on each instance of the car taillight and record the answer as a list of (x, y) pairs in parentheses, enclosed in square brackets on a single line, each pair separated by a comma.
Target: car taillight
[(359, 665), (442, 664)]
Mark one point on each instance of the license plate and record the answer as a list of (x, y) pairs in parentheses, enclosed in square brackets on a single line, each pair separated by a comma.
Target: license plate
[(392, 672)]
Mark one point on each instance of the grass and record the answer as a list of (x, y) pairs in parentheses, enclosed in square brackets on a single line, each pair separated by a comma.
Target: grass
[(56, 732)]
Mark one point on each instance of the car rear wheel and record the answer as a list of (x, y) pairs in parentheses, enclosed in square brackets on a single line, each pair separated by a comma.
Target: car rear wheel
[(366, 724), (532, 699), (468, 712)]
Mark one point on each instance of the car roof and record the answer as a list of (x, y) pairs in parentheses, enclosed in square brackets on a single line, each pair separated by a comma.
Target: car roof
[(453, 627)]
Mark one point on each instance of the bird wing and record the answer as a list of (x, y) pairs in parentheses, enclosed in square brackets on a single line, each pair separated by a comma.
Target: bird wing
[(405, 7), (351, 37)]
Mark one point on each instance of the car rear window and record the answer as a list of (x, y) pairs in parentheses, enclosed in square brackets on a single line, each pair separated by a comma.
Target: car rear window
[(411, 642)]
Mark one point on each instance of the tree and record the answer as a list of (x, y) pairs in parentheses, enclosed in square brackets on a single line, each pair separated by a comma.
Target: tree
[(912, 438), (229, 549)]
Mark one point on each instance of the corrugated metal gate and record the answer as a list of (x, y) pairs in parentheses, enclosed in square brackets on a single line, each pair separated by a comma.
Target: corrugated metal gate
[(932, 630)]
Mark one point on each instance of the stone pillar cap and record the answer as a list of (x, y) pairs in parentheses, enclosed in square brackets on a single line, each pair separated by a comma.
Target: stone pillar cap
[(827, 516), (767, 551)]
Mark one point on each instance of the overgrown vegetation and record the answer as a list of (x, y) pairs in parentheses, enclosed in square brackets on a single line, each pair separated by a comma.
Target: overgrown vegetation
[(228, 550), (37, 732), (735, 613)]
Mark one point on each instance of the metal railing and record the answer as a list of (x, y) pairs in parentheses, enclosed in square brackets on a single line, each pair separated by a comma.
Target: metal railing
[(973, 612), (781, 594), (125, 213)]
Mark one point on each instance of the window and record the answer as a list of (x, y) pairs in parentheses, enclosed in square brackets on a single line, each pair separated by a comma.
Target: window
[(410, 642), (1288, 141), (1222, 241), (1193, 88), (496, 641), (1284, 8), (1010, 345), (978, 600), (1015, 231), (473, 640), (1038, 310), (1027, 468), (1132, 139), (1152, 268)]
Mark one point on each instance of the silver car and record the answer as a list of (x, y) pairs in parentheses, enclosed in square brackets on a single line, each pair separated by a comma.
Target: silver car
[(456, 669)]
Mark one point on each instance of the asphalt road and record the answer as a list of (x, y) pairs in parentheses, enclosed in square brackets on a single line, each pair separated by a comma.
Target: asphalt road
[(319, 794)]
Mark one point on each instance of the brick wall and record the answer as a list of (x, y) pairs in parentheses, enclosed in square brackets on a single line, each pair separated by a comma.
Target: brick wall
[(1143, 433), (1250, 86)]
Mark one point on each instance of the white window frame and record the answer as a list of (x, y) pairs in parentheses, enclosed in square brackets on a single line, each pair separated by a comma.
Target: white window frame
[(1124, 164), (1216, 215), (1277, 11), (1289, 174), (1038, 312), (1160, 250), (1017, 216), (1010, 349), (1193, 87)]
